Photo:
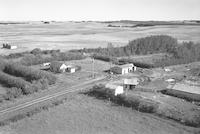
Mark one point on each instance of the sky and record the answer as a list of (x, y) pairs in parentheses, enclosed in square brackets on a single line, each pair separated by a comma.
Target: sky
[(99, 10)]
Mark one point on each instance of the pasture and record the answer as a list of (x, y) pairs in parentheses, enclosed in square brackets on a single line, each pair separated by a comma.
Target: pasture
[(76, 35)]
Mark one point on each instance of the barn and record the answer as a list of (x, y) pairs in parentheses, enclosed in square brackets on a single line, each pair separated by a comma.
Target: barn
[(123, 69)]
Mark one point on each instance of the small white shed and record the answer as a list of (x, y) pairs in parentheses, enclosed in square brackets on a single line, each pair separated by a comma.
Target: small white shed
[(131, 83), (118, 89)]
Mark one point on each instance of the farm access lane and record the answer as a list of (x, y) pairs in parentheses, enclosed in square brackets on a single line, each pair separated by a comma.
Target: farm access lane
[(4, 113)]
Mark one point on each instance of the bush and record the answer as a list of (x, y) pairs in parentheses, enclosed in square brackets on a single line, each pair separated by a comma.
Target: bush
[(148, 106), (11, 81), (28, 73), (145, 105), (13, 93), (136, 63), (134, 102), (181, 94)]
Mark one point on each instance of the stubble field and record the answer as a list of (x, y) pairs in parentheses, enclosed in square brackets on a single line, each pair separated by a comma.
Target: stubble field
[(76, 35)]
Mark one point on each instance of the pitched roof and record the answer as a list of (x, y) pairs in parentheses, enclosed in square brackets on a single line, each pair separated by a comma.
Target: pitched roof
[(133, 81), (126, 65)]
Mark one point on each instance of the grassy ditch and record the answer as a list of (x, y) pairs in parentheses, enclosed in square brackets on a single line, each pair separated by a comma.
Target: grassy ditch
[(146, 105), (33, 111), (183, 95)]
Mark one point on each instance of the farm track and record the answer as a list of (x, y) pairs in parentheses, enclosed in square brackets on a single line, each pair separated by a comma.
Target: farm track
[(52, 96)]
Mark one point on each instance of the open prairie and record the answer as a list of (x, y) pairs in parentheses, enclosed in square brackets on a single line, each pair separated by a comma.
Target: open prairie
[(76, 35)]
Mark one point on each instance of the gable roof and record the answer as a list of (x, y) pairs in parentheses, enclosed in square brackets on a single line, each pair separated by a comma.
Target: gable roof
[(126, 65), (133, 81)]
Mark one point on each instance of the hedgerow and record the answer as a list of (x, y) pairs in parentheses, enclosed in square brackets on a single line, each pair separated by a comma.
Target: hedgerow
[(28, 73), (145, 105), (11, 81)]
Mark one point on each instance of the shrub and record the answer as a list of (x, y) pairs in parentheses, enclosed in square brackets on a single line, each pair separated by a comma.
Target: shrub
[(134, 102), (13, 93), (181, 94), (11, 81), (28, 73), (136, 63), (145, 105), (148, 106)]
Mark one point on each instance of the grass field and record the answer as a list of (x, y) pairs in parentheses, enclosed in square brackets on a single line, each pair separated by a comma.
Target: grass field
[(71, 35), (87, 115)]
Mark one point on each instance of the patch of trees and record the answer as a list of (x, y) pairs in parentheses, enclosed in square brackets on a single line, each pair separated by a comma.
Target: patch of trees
[(184, 53), (28, 73), (36, 51), (23, 80), (136, 63), (38, 58), (112, 25), (15, 82), (141, 46), (179, 53)]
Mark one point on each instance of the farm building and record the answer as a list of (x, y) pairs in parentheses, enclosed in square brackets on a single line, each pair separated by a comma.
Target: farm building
[(58, 67), (71, 69), (118, 89), (61, 67), (47, 64), (129, 84), (123, 69), (6, 45)]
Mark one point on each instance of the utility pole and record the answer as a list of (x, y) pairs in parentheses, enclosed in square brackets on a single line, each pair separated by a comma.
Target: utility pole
[(93, 67)]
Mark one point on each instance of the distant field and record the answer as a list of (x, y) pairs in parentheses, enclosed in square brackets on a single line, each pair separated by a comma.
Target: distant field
[(73, 35)]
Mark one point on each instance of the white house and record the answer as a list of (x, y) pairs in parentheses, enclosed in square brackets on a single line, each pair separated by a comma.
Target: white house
[(57, 67), (47, 64), (123, 69), (71, 69), (63, 68)]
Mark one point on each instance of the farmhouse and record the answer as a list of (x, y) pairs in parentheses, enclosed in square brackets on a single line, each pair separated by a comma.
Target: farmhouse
[(71, 69), (6, 45), (129, 84), (58, 67), (123, 69)]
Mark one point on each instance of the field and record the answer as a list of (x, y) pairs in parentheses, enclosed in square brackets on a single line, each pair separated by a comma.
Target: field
[(76, 35), (81, 113), (86, 115)]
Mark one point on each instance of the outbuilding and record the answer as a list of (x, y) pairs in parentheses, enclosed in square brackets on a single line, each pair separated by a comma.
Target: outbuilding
[(118, 89), (8, 46), (47, 64), (123, 69), (130, 84)]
